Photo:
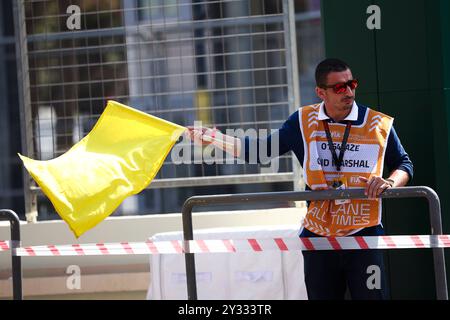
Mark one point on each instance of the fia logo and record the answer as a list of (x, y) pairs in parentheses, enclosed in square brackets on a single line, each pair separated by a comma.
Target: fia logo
[(335, 134), (354, 180)]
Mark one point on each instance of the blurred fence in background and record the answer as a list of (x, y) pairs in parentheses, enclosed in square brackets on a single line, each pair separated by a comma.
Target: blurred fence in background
[(230, 64)]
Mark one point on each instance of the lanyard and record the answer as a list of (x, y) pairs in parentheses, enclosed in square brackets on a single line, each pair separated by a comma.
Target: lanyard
[(337, 161)]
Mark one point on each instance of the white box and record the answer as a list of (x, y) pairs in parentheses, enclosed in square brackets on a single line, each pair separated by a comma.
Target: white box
[(272, 275)]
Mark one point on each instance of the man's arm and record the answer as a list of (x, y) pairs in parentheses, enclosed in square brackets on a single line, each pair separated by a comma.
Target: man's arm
[(288, 138), (399, 178)]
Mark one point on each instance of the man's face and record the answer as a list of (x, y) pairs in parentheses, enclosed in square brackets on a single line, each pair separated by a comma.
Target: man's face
[(337, 102)]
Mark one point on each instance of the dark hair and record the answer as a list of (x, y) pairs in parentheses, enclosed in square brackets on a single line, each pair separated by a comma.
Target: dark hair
[(327, 66)]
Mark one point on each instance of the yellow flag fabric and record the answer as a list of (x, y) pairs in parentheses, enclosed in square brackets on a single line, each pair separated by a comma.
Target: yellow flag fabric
[(118, 158)]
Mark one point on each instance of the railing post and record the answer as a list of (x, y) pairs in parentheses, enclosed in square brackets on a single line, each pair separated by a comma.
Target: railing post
[(188, 234), (434, 207), (16, 262), (438, 253)]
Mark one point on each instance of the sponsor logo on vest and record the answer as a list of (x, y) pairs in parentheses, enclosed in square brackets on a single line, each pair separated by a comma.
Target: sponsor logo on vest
[(352, 214), (354, 180)]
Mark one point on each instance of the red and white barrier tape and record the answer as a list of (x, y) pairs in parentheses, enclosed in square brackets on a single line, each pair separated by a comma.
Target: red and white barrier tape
[(4, 246), (241, 245)]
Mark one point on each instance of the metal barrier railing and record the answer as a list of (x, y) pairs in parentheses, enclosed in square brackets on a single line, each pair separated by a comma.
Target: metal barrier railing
[(16, 262), (403, 192)]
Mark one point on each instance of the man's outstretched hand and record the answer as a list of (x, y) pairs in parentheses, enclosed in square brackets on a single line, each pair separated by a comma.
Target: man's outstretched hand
[(201, 135)]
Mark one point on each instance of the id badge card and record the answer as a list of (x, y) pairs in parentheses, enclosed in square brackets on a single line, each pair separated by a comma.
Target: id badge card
[(340, 184)]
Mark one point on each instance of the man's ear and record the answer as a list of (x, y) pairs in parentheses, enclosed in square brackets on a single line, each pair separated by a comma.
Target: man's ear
[(320, 93)]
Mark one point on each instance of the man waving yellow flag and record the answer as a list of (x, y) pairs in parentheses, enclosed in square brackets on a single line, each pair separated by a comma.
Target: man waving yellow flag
[(118, 158)]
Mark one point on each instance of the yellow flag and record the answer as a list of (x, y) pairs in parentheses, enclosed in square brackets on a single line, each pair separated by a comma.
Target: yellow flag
[(118, 158)]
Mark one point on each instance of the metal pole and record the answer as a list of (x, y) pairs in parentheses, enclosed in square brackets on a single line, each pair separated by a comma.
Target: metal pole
[(434, 206), (23, 85), (438, 253), (6, 135), (188, 234), (290, 44), (402, 192), (16, 263)]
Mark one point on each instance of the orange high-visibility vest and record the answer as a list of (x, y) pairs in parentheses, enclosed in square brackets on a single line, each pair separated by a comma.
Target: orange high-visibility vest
[(364, 156)]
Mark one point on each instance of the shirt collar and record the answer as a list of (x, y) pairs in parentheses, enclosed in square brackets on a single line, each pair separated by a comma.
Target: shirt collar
[(352, 116)]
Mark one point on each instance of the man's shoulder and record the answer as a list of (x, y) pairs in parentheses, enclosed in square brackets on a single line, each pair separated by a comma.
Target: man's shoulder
[(309, 106), (362, 109), (308, 110)]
